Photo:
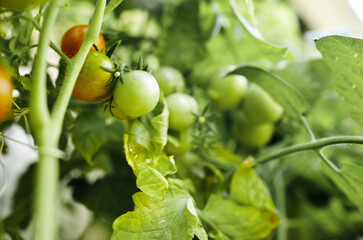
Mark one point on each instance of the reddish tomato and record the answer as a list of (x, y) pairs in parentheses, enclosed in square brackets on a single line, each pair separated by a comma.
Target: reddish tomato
[(6, 88), (92, 79), (73, 39)]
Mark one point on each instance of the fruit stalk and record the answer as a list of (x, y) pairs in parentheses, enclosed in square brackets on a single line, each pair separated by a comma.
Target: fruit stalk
[(312, 145)]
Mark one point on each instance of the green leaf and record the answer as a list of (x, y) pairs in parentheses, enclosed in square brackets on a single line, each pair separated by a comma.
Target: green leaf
[(112, 4), (344, 56), (310, 78), (281, 91), (239, 42), (173, 218), (248, 189), (233, 221), (159, 125), (349, 180), (90, 133), (151, 182), (148, 168), (181, 43)]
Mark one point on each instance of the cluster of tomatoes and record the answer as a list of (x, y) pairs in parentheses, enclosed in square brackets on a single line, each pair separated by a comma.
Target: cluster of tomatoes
[(137, 92), (256, 109)]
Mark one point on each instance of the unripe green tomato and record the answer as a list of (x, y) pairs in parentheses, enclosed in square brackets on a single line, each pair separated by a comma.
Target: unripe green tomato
[(260, 107), (170, 80), (185, 143), (251, 134), (138, 95), (226, 93), (115, 112), (20, 4), (182, 108)]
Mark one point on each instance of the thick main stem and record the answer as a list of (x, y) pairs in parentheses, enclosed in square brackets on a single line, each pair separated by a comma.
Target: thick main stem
[(47, 128), (45, 205)]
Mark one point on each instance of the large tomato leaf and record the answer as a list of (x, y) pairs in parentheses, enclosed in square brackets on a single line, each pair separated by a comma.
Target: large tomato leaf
[(233, 221), (345, 58), (349, 180), (143, 147), (181, 43), (248, 189), (173, 218), (281, 91), (238, 41), (250, 210)]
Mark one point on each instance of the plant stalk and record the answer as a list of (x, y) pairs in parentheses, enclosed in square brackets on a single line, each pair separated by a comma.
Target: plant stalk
[(45, 202), (313, 145), (47, 127)]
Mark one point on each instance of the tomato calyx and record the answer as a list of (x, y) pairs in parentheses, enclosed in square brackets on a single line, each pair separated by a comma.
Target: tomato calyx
[(117, 73)]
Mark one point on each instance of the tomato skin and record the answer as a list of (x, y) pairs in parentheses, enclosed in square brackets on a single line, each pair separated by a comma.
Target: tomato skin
[(226, 93), (260, 107), (91, 81), (170, 80), (138, 95), (6, 88), (73, 38), (181, 108), (251, 134), (115, 112), (20, 4)]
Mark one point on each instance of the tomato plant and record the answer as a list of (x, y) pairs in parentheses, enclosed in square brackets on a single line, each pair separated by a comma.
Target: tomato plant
[(93, 82), (182, 110), (138, 94), (170, 80), (202, 120), (73, 38), (6, 88)]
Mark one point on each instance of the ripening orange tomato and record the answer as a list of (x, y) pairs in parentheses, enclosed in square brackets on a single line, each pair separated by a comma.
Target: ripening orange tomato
[(74, 37)]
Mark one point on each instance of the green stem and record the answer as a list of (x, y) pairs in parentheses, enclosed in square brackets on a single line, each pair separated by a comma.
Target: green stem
[(313, 145), (318, 151), (45, 203), (281, 205), (75, 66), (47, 127)]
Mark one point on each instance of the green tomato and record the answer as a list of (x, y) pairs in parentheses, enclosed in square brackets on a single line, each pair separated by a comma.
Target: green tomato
[(20, 4), (226, 93), (181, 144), (113, 110), (251, 134), (182, 108), (170, 80), (138, 95), (260, 107), (91, 84)]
